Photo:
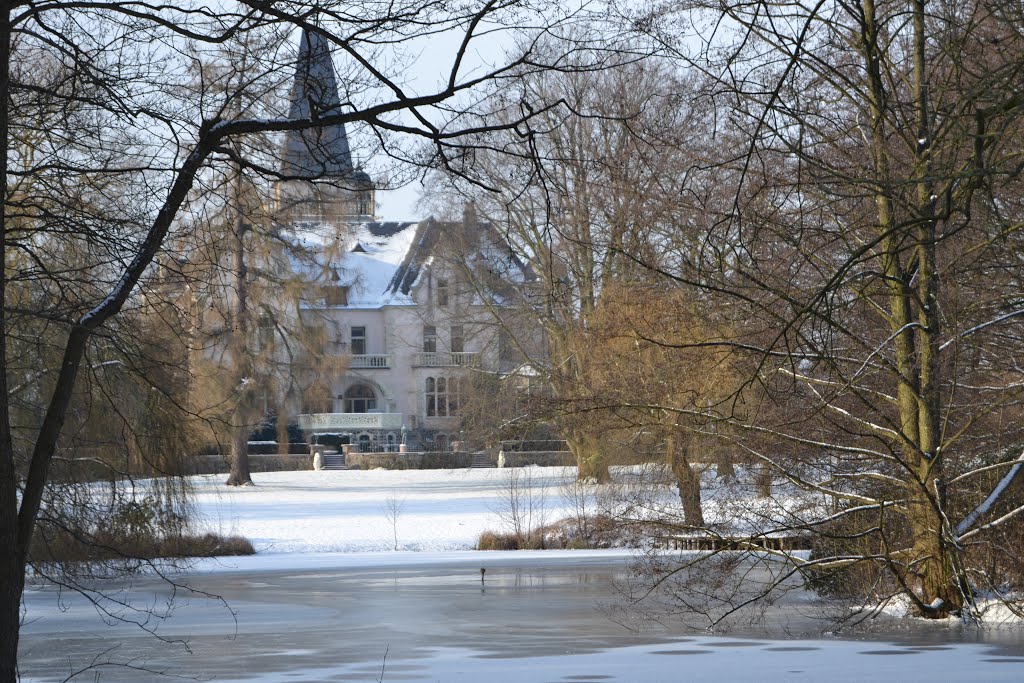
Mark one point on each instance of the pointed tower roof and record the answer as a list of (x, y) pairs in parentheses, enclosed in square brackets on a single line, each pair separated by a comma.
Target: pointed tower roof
[(321, 151)]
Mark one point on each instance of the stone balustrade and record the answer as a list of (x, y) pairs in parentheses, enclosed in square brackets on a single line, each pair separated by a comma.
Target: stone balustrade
[(346, 422)]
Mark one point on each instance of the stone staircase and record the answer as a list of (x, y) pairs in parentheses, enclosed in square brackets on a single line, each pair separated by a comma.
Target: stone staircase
[(334, 461), (480, 461)]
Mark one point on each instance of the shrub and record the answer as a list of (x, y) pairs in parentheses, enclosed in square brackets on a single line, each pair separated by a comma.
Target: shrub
[(205, 545), (54, 545), (490, 540)]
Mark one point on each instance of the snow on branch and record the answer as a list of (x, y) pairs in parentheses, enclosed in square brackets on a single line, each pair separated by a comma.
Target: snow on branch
[(987, 504), (810, 383), (994, 523), (982, 326)]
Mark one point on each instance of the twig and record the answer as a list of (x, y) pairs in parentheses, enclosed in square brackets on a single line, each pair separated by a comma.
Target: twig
[(384, 663)]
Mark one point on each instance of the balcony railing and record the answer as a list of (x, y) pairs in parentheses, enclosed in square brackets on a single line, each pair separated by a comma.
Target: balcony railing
[(368, 361), (446, 359), (343, 422)]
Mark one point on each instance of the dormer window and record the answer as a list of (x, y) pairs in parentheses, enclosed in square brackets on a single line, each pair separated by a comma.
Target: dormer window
[(335, 295)]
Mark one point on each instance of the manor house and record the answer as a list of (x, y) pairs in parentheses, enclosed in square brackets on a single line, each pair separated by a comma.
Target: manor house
[(406, 307)]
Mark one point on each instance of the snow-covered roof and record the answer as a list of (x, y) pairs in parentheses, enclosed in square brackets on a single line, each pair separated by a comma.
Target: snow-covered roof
[(370, 264), (361, 256), (430, 234), (380, 262)]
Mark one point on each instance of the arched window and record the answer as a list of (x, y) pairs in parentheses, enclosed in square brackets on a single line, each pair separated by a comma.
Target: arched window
[(454, 395), (360, 398), (364, 203)]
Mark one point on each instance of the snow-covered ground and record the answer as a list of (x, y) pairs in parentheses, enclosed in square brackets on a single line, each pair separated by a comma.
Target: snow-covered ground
[(347, 510)]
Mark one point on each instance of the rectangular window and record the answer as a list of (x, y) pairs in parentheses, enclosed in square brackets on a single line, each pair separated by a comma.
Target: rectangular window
[(358, 345), (429, 339), (458, 341), (442, 292), (443, 396), (431, 395), (266, 333)]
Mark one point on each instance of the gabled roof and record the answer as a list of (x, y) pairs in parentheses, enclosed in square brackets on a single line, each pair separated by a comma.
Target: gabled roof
[(381, 262), (366, 270), (427, 234), (489, 250)]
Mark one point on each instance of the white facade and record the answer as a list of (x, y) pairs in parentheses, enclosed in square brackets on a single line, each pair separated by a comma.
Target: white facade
[(397, 306)]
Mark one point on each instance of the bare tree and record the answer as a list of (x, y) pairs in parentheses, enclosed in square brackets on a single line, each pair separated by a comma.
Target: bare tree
[(118, 121), (579, 199), (868, 244), (852, 231), (578, 498), (393, 508), (522, 507)]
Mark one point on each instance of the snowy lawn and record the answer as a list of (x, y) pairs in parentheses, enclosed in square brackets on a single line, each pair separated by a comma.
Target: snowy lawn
[(346, 510)]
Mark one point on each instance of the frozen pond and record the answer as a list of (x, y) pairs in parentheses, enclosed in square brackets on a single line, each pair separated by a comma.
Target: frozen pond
[(369, 617)]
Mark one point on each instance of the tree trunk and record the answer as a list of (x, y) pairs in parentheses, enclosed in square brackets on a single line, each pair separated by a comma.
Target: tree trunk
[(936, 558), (931, 568), (929, 571), (763, 481), (591, 463), (282, 428), (687, 481), (239, 475), (12, 582), (725, 468), (12, 564)]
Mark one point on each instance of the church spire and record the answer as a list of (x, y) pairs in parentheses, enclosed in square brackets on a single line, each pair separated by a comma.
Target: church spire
[(321, 151)]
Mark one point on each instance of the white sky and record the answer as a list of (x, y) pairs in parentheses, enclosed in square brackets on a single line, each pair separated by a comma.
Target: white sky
[(400, 205)]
